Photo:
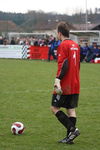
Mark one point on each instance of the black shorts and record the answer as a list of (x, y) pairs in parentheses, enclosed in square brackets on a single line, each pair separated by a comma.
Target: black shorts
[(66, 101)]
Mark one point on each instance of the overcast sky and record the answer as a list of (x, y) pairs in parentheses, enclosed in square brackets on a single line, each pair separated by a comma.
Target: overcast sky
[(59, 6)]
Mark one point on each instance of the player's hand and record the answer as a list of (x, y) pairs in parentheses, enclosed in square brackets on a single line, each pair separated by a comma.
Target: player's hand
[(57, 86)]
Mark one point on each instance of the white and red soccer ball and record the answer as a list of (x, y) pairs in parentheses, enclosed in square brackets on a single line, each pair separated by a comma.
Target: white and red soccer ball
[(17, 128)]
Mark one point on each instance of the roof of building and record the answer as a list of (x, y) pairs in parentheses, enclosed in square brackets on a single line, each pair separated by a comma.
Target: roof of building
[(89, 26)]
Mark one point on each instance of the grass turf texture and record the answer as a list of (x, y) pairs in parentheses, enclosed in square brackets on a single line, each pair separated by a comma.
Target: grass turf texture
[(25, 96)]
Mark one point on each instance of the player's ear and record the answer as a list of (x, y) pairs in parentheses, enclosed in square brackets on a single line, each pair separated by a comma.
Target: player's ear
[(59, 35)]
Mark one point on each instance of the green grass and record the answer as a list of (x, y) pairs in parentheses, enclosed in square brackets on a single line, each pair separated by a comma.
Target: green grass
[(25, 96)]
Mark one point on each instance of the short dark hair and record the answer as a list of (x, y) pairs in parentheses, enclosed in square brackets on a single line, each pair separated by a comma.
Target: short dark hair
[(63, 28)]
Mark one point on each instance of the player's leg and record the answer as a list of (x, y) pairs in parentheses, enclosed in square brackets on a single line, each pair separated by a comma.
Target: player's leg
[(54, 56), (63, 118), (49, 54), (57, 102), (72, 116), (71, 103)]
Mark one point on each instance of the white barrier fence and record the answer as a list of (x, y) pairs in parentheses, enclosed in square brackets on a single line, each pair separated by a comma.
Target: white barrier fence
[(13, 51)]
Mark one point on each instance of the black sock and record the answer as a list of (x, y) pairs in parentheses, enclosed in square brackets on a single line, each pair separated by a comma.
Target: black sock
[(63, 118), (73, 120)]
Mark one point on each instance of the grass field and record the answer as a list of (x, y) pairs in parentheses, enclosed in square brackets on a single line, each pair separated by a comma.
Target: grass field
[(25, 96)]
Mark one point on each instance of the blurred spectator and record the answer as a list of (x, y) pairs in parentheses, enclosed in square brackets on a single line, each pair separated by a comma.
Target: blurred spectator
[(84, 51), (99, 50), (36, 42), (96, 53), (5, 41), (1, 40), (52, 48), (90, 52), (12, 41)]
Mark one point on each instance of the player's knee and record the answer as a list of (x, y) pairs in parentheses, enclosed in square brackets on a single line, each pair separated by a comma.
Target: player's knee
[(54, 109), (71, 112)]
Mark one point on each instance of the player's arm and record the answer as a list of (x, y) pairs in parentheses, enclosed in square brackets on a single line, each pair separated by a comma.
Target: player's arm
[(62, 62), (62, 70)]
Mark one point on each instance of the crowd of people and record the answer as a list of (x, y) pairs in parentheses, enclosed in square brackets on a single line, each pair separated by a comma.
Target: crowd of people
[(35, 41), (25, 41), (89, 52), (49, 41)]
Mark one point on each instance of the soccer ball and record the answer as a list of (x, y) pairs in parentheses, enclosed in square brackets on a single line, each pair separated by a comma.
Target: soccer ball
[(17, 128)]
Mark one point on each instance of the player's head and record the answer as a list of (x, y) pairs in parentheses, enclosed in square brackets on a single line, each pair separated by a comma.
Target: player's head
[(62, 30)]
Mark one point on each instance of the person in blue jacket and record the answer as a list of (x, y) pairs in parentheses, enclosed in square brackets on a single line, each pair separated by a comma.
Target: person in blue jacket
[(84, 49), (96, 53), (53, 47), (90, 52)]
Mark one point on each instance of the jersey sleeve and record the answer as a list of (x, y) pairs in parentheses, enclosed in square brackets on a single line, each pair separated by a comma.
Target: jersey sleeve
[(62, 62)]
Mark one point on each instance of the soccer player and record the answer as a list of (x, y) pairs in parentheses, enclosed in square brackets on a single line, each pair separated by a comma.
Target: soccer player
[(67, 83)]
